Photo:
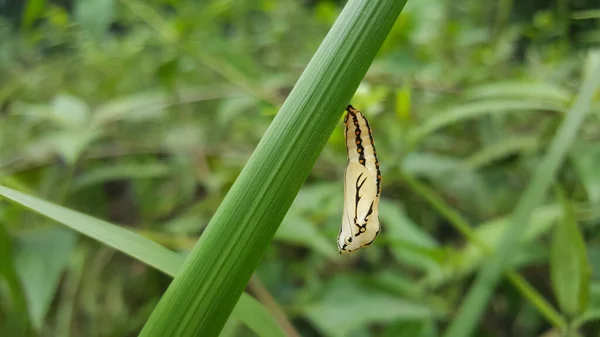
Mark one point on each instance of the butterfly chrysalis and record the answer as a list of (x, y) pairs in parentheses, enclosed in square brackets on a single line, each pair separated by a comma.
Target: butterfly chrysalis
[(362, 185)]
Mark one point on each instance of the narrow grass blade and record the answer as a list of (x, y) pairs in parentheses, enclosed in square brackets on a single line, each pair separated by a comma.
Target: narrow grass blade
[(145, 250), (201, 297), (476, 300)]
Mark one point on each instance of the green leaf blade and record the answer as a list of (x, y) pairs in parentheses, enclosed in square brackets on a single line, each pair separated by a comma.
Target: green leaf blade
[(203, 294), (247, 310)]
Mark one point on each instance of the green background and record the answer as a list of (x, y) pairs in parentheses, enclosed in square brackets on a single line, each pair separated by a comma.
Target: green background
[(143, 114)]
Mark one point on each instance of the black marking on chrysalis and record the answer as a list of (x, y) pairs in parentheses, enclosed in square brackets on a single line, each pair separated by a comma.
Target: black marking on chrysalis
[(358, 141), (375, 155)]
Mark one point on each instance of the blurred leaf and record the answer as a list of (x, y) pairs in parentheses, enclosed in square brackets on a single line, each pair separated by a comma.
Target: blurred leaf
[(182, 138), (347, 306), (370, 97), (476, 109), (463, 226), (403, 103), (425, 328), (587, 14), (58, 17), (42, 256), (103, 174), (502, 149), (326, 11), (136, 246), (138, 107), (230, 61), (586, 159), (65, 111), (297, 226), (542, 219), (449, 174), (409, 243), (231, 108), (467, 259), (71, 144), (67, 302), (569, 269), (95, 16), (323, 198), (231, 328), (400, 225), (13, 306), (398, 283), (592, 313), (430, 165), (151, 105), (70, 112), (302, 232), (256, 317), (34, 9), (167, 73), (535, 90), (184, 224)]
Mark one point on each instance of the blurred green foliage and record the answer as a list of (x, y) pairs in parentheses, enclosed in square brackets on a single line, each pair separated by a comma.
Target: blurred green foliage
[(144, 113)]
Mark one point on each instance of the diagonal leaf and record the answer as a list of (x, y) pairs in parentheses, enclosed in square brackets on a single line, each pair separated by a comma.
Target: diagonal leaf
[(247, 310)]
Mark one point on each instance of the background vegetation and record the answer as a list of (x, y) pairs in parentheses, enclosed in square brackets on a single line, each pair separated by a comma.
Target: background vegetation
[(143, 113)]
